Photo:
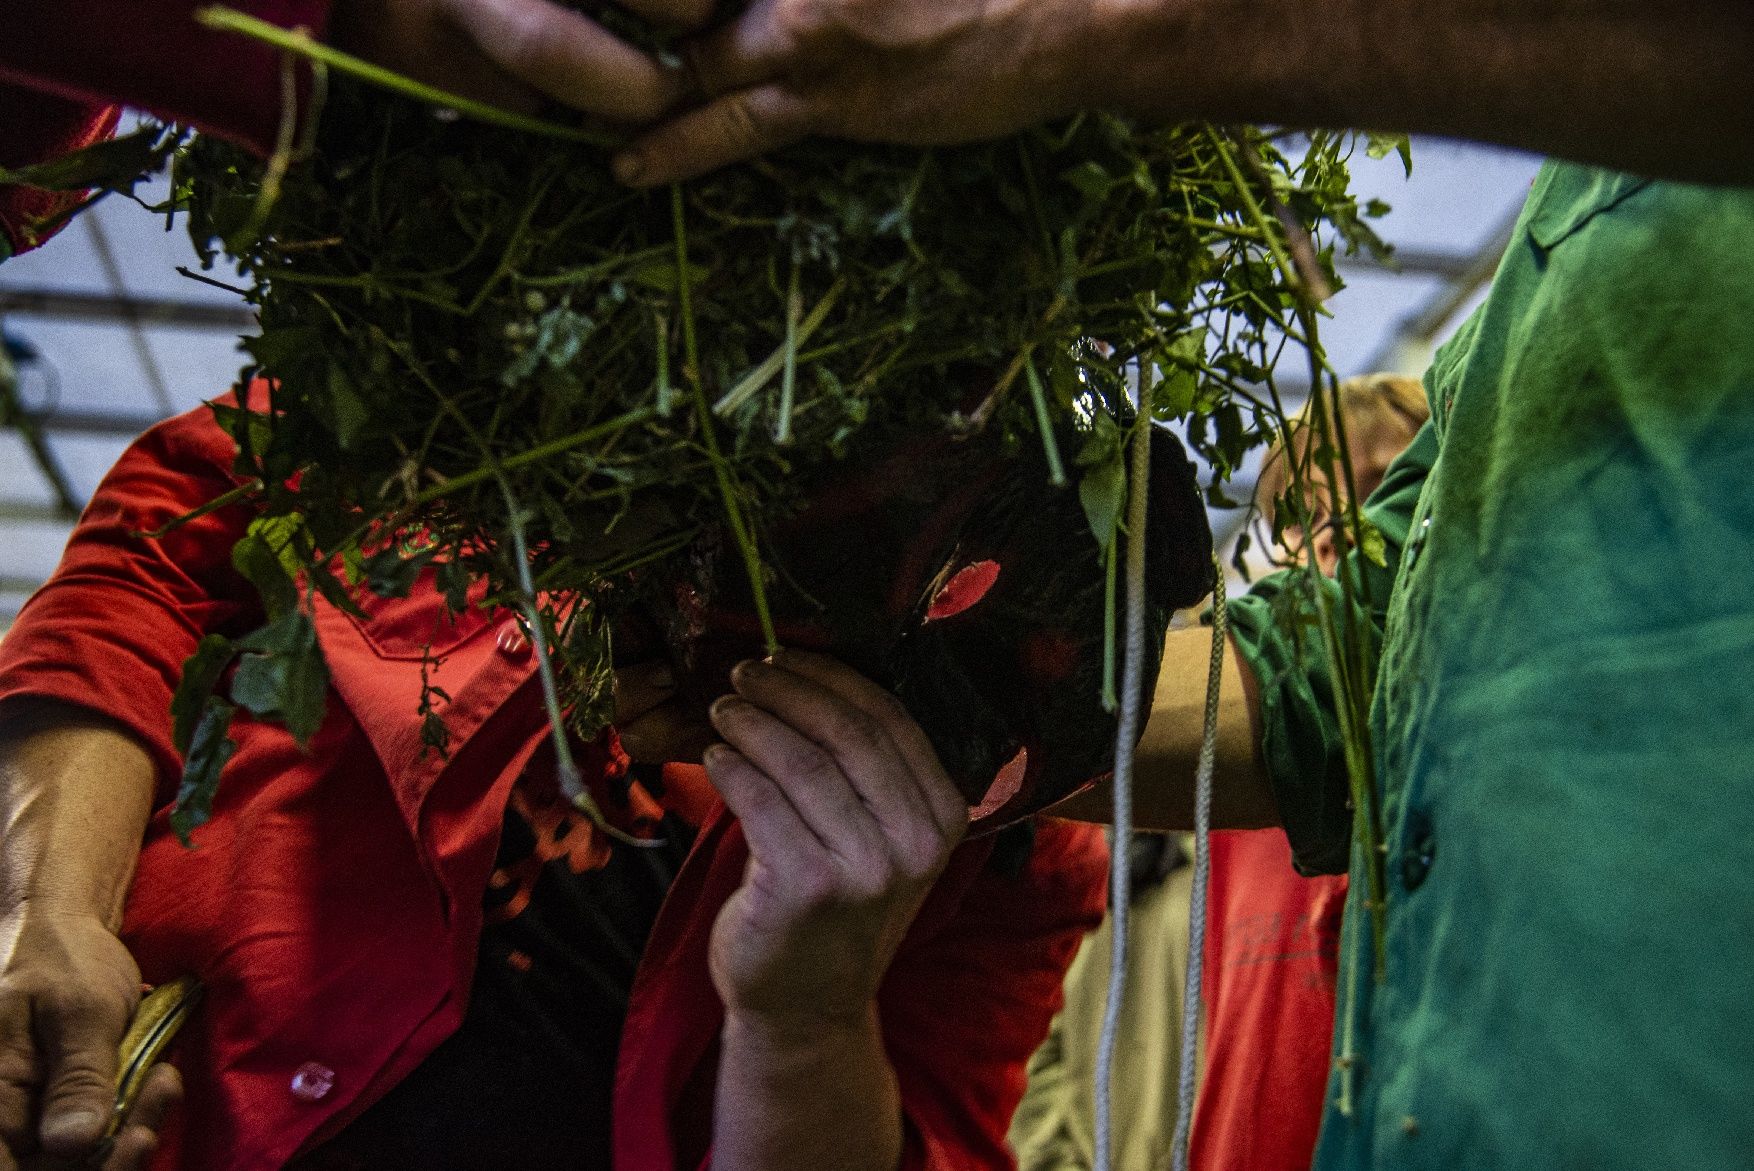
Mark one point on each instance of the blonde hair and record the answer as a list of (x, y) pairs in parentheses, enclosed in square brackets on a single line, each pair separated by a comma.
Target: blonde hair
[(1373, 407)]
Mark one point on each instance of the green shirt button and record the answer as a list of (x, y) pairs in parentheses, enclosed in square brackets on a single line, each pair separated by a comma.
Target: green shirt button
[(1419, 852)]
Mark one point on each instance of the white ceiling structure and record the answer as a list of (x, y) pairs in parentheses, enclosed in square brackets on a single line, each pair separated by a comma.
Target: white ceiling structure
[(108, 337)]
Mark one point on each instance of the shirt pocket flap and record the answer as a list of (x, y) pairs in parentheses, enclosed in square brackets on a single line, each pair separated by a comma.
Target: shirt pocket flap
[(419, 625)]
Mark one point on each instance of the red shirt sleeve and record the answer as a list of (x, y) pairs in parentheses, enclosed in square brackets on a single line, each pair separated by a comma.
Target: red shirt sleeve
[(112, 627), (965, 1006), (151, 54), (34, 126)]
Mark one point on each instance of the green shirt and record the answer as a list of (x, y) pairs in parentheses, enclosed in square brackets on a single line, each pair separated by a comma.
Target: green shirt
[(1564, 716)]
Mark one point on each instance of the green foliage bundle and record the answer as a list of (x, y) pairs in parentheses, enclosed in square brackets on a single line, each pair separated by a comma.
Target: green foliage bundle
[(490, 360)]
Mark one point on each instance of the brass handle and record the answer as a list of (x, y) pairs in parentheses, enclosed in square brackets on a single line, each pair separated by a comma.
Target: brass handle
[(162, 1012)]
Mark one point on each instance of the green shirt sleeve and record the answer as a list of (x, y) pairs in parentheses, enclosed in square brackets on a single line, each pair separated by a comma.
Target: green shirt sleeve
[(1276, 629)]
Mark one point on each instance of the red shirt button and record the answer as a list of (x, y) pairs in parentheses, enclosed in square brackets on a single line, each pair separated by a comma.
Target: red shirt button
[(312, 1082), (513, 643)]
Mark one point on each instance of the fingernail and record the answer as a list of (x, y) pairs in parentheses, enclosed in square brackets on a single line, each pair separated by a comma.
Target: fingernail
[(742, 670), (74, 1126), (628, 168), (721, 705)]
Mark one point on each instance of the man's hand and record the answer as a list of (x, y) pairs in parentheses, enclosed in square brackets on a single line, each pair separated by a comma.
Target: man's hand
[(75, 790), (67, 990), (924, 72), (518, 53), (849, 819), (1663, 89)]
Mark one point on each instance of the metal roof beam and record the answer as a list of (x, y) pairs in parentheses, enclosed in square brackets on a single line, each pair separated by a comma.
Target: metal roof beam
[(111, 309)]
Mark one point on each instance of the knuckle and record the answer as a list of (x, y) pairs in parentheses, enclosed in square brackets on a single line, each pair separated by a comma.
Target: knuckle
[(798, 21), (519, 36), (920, 859), (78, 1003), (874, 883), (807, 760), (814, 885), (888, 710), (739, 123), (78, 1078), (858, 733)]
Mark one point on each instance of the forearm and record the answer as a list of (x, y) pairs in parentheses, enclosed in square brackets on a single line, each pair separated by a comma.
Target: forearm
[(1169, 753), (1659, 89), (809, 1095), (75, 794)]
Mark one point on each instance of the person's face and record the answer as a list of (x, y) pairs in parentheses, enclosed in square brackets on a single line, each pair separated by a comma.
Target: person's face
[(1371, 457)]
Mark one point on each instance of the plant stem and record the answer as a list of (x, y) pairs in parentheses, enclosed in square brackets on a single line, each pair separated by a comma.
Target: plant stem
[(297, 41), (1246, 193), (532, 455), (789, 375), (242, 492), (1045, 424), (1348, 658), (775, 363), (569, 778), (721, 469)]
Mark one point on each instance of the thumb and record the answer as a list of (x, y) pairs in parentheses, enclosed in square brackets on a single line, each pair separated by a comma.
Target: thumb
[(79, 1035)]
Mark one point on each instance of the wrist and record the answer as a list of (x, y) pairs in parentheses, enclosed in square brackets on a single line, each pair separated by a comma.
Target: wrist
[(803, 1090), (43, 906), (801, 1030)]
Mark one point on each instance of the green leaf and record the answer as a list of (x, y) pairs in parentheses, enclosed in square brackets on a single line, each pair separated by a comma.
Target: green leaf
[(250, 430), (201, 672), (281, 675), (453, 585), (333, 590), (1190, 347), (392, 571), (1090, 179), (660, 275), (1174, 396), (1378, 146), (281, 348), (1102, 490), (259, 562), (209, 750), (348, 414), (115, 163), (1371, 544)]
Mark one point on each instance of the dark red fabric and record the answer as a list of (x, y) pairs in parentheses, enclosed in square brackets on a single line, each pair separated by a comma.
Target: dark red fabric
[(153, 55), (333, 905), (36, 126), (68, 66), (1272, 945)]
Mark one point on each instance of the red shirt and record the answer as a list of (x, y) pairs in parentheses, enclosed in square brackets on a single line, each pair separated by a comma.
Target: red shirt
[(333, 904), (152, 54), (1272, 942)]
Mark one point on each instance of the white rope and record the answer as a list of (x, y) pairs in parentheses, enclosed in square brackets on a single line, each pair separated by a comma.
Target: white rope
[(1126, 735), (1191, 988)]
